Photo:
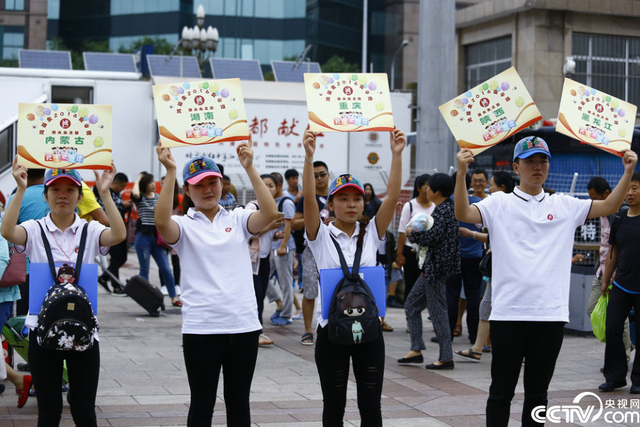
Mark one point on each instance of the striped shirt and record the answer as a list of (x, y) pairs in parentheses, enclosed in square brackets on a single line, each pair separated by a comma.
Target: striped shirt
[(146, 207)]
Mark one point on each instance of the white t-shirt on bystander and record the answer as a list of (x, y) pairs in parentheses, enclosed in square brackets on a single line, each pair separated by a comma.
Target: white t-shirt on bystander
[(411, 208)]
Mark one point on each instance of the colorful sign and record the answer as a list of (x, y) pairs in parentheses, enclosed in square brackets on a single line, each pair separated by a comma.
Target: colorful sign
[(348, 102), (200, 112), (490, 112), (64, 136), (596, 118)]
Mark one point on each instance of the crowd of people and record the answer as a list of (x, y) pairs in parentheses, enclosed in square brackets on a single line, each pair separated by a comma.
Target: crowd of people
[(227, 258)]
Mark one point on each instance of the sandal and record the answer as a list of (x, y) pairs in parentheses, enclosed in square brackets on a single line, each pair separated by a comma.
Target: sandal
[(307, 338), (24, 393), (457, 331), (387, 327), (486, 349), (470, 354)]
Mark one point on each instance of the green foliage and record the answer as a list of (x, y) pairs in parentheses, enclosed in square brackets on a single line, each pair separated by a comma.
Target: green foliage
[(160, 45), (337, 64), (270, 77), (77, 61), (13, 62)]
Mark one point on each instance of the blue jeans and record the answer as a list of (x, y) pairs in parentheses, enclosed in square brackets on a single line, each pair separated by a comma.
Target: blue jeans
[(146, 247)]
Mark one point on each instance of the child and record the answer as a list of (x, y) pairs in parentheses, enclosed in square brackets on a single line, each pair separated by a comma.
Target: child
[(220, 327), (442, 260), (63, 191), (350, 228), (531, 235)]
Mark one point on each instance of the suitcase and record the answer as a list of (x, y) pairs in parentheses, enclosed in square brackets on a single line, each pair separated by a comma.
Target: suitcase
[(145, 294)]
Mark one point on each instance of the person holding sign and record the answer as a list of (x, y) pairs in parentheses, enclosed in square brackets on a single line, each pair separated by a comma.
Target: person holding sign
[(220, 327), (531, 235), (350, 229), (62, 226)]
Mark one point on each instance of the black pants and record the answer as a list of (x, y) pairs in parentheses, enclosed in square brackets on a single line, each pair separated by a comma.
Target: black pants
[(538, 343), (22, 305), (471, 278), (260, 283), (615, 356), (204, 356), (332, 361), (118, 256), (411, 270), (175, 263), (83, 369)]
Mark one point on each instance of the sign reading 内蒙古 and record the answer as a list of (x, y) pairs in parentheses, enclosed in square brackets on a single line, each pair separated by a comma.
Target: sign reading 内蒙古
[(64, 136), (348, 102), (199, 113), (490, 112)]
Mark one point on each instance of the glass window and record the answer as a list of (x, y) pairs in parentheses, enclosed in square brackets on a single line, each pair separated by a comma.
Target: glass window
[(211, 7), (53, 9), (486, 59), (277, 9), (609, 64), (14, 4), (12, 39), (248, 8), (229, 7), (262, 9), (247, 50)]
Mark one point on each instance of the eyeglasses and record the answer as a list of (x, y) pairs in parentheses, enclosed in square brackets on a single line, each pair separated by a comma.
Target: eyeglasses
[(320, 175), (478, 181)]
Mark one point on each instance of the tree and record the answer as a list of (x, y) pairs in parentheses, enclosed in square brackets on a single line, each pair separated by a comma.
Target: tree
[(337, 64), (160, 45), (77, 61)]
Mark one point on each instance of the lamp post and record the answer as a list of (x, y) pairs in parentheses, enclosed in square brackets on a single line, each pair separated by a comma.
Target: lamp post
[(393, 63)]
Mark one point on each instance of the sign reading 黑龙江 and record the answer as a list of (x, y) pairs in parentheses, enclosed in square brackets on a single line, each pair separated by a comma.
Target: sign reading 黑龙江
[(199, 113), (596, 118), (64, 136), (490, 112), (348, 102)]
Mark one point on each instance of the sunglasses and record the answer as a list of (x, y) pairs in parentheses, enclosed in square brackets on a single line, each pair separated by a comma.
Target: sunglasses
[(320, 175)]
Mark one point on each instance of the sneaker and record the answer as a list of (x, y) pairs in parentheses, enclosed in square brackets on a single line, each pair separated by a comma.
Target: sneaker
[(164, 290), (104, 284), (275, 315), (281, 321), (119, 292)]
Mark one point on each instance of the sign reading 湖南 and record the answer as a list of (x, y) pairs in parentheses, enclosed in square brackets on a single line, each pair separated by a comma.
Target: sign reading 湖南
[(490, 112), (197, 113), (348, 102), (596, 118), (64, 136)]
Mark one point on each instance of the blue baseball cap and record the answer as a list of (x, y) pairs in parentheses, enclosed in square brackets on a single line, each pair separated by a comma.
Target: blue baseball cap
[(198, 168), (343, 181), (529, 146), (55, 174)]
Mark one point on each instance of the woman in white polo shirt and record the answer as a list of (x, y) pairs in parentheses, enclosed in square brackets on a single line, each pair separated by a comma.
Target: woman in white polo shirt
[(220, 326), (350, 229)]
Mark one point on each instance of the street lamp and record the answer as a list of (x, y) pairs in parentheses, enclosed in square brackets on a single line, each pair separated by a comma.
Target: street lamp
[(393, 63)]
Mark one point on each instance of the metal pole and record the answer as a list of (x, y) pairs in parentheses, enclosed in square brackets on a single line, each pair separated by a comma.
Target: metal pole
[(365, 16), (180, 64)]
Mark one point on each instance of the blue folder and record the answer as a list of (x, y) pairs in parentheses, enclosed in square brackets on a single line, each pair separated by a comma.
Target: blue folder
[(374, 276), (40, 281)]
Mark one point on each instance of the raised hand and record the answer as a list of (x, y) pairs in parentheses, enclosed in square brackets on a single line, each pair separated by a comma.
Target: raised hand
[(104, 180), (165, 157), (464, 157), (19, 173), (629, 160), (309, 142), (245, 154), (398, 141)]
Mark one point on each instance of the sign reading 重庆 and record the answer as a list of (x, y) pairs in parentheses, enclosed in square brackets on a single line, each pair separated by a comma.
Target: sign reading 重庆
[(348, 102), (200, 112), (596, 118), (64, 136), (490, 112)]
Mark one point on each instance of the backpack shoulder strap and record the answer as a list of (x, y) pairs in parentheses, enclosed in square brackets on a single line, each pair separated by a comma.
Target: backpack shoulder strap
[(410, 209), (617, 221), (47, 249), (281, 202), (343, 262), (83, 242)]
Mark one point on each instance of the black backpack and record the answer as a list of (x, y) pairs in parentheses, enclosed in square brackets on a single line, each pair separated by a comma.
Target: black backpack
[(353, 314), (66, 321)]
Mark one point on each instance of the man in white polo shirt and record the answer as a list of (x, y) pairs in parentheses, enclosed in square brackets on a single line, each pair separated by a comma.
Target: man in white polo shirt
[(531, 235)]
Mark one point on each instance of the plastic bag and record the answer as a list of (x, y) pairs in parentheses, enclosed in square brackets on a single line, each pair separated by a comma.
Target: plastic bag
[(599, 317)]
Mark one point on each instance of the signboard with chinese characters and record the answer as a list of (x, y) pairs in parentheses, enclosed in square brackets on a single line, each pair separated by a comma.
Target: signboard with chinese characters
[(596, 118), (199, 113), (348, 102), (65, 136), (490, 112)]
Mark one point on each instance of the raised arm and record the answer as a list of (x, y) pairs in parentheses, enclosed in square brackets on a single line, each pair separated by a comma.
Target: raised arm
[(167, 227), (268, 209), (388, 207), (135, 191), (613, 202), (311, 213), (9, 228), (464, 212), (117, 231)]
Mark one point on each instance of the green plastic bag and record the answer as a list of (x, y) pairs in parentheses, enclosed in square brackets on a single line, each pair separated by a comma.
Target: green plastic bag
[(599, 317)]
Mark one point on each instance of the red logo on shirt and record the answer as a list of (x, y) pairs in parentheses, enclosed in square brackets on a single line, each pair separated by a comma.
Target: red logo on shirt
[(77, 249), (228, 229), (550, 217)]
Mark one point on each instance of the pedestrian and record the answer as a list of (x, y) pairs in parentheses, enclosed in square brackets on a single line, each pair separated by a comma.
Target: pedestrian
[(63, 192), (350, 229), (293, 190), (227, 200), (531, 235), (371, 202), (220, 327)]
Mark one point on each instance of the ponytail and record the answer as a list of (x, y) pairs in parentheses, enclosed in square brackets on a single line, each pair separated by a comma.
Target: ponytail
[(364, 221)]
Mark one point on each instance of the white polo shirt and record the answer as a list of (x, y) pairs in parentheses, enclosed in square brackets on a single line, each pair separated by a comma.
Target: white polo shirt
[(531, 242), (326, 255), (217, 279)]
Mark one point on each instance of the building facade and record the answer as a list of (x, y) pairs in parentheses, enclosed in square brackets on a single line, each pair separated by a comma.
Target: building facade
[(23, 24)]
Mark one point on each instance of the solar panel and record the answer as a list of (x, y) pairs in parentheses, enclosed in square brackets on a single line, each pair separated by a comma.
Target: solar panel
[(123, 62), (283, 70), (158, 66), (47, 59), (223, 68)]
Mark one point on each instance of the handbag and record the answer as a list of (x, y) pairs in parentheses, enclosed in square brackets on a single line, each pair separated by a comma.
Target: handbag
[(16, 271), (485, 264)]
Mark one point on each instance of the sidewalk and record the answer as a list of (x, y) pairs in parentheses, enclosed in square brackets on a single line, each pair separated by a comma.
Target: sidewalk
[(143, 380)]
